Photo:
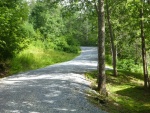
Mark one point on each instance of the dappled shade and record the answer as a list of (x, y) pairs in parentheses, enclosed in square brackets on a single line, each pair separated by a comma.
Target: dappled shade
[(57, 88)]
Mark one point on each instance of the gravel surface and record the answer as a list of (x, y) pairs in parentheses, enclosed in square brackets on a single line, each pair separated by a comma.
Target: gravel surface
[(59, 88)]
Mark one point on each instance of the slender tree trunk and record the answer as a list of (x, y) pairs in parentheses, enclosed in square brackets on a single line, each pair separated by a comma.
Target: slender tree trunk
[(101, 49), (145, 71), (113, 47), (87, 30)]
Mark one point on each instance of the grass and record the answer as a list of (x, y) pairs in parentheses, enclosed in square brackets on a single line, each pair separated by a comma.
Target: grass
[(125, 93), (34, 58)]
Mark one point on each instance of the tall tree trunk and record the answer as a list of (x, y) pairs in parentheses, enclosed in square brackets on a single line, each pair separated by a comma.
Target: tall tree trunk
[(113, 47), (101, 49), (145, 71)]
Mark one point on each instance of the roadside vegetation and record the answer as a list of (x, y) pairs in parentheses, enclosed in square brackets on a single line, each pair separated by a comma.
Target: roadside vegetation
[(34, 58), (34, 34), (126, 93), (37, 33)]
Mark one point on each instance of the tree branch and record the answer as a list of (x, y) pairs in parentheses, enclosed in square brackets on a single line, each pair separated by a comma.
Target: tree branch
[(96, 7)]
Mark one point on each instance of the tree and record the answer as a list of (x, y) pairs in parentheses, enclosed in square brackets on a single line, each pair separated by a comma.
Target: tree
[(80, 18), (113, 47), (101, 48), (82, 5), (145, 70), (47, 19), (141, 23), (12, 16)]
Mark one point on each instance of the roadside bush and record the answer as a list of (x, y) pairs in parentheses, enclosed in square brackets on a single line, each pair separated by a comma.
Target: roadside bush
[(27, 30), (22, 61), (36, 57), (72, 41), (128, 65), (12, 15), (72, 49), (66, 44), (60, 43), (108, 59)]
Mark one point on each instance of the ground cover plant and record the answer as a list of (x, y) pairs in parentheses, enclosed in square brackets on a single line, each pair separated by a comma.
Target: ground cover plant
[(126, 93), (34, 58)]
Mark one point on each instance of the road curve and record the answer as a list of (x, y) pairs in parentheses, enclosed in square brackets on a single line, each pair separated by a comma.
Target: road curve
[(58, 88)]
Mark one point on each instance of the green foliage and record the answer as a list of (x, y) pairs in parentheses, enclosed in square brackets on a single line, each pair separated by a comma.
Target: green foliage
[(48, 22), (128, 65), (68, 45), (125, 93), (46, 19), (126, 31), (108, 59), (12, 16), (52, 25), (79, 25), (36, 57), (72, 49), (28, 31)]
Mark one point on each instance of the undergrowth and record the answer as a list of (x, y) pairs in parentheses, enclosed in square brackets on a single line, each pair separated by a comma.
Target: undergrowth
[(34, 58), (126, 93)]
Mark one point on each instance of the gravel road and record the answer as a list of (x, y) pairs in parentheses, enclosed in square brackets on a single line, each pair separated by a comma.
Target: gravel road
[(58, 88)]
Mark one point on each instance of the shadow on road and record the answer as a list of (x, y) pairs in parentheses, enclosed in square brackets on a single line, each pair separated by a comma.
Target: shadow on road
[(59, 88)]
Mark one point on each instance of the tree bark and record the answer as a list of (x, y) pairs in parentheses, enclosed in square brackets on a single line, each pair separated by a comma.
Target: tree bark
[(101, 49), (113, 47), (145, 71)]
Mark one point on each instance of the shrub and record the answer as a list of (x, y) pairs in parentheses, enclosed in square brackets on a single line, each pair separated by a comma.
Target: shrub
[(10, 25), (27, 30), (108, 59), (72, 49), (128, 65)]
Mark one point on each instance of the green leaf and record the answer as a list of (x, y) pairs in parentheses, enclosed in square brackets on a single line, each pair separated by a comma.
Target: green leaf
[(128, 1)]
